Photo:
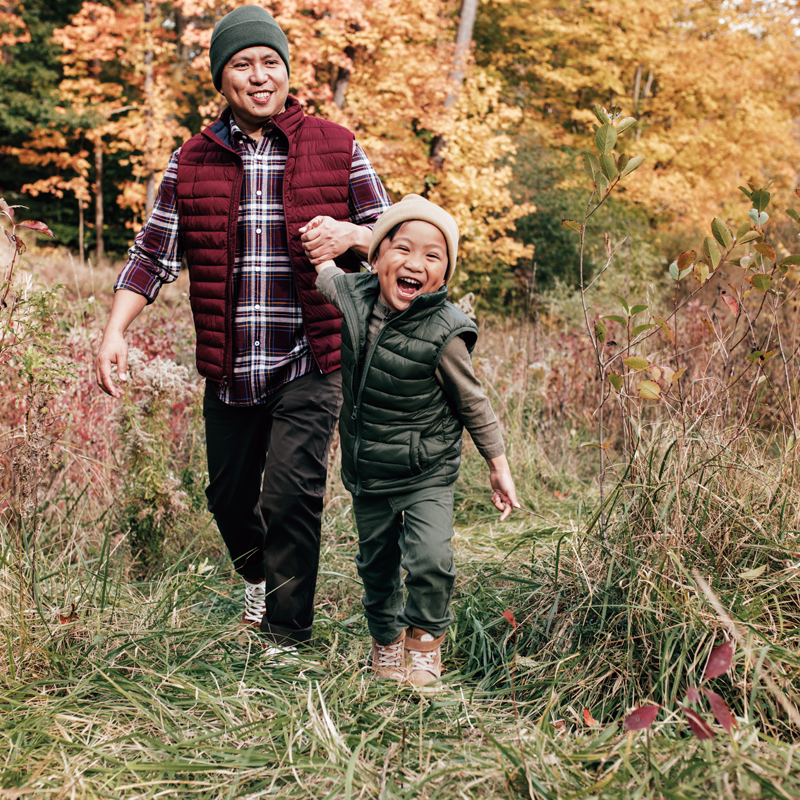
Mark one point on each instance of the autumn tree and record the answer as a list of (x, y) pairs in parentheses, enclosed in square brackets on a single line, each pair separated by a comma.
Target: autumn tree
[(706, 83)]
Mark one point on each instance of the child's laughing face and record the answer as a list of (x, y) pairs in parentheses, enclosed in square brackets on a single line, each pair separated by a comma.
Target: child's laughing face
[(412, 263)]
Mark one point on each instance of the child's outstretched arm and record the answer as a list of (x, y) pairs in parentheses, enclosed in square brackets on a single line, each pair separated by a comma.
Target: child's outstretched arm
[(504, 493), (308, 233)]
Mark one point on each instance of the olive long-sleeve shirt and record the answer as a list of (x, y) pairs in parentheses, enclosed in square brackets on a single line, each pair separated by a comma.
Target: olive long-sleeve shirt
[(454, 374)]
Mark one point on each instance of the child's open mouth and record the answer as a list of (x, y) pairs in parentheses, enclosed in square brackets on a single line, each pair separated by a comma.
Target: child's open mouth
[(408, 287)]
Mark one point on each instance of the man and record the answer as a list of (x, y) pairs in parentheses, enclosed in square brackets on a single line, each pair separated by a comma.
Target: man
[(235, 202)]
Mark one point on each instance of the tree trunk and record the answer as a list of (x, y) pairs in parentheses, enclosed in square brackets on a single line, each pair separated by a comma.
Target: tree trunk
[(80, 230), (150, 190), (466, 24), (98, 198)]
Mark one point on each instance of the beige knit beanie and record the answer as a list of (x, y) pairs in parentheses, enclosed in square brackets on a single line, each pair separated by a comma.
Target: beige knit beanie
[(412, 206)]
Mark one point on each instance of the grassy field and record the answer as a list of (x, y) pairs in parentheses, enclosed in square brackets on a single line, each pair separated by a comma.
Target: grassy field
[(151, 688)]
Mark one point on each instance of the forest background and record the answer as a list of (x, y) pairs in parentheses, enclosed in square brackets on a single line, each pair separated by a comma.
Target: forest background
[(623, 175)]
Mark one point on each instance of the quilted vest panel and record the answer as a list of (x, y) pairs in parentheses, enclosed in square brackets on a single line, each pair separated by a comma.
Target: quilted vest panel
[(399, 431), (315, 181)]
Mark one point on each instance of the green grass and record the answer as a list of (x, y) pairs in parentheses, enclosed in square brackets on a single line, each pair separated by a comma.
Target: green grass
[(155, 691)]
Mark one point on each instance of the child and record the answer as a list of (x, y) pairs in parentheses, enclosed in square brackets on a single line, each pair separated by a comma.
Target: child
[(408, 389)]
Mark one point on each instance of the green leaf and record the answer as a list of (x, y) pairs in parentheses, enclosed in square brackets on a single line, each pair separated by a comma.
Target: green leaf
[(600, 331), (761, 282), (742, 229), (606, 138), (791, 261), (601, 182), (591, 165), (609, 167), (748, 237), (754, 573), (624, 124), (684, 273), (722, 233), (601, 115), (758, 218), (616, 318), (746, 192), (642, 328), (571, 225), (649, 390), (633, 164), (623, 303), (636, 363), (615, 380), (711, 252), (662, 323), (701, 272), (760, 199), (793, 214), (622, 162), (760, 357), (638, 310), (673, 271)]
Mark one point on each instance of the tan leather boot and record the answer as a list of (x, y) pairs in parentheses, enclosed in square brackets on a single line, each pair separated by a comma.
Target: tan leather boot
[(388, 662), (423, 657)]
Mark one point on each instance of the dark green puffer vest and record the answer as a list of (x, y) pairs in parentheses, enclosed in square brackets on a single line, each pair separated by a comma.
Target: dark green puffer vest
[(399, 432)]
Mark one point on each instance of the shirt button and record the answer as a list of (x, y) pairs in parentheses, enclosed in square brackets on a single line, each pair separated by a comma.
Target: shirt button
[(258, 230), (259, 158), (258, 193), (257, 306), (258, 344)]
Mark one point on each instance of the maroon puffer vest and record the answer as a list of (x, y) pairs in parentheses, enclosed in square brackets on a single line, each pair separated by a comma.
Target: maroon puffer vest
[(210, 176)]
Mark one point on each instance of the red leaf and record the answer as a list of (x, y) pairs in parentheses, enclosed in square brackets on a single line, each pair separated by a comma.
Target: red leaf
[(700, 728), (71, 618), (640, 718), (719, 661), (589, 719), (720, 709), (693, 696), (10, 236), (509, 616), (729, 301), (7, 208), (34, 225)]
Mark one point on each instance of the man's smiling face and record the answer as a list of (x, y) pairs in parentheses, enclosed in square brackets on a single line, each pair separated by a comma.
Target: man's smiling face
[(413, 263), (255, 83)]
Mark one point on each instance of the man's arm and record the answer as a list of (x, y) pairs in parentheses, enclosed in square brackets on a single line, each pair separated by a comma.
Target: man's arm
[(367, 200), (153, 260), (126, 307)]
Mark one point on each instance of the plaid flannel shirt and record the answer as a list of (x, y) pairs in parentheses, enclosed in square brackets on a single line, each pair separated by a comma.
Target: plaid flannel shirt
[(267, 318)]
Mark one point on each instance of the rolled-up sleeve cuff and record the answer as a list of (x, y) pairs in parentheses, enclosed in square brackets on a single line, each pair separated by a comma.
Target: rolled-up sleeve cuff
[(137, 276)]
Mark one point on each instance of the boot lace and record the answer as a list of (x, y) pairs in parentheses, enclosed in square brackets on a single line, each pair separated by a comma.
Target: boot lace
[(255, 602), (390, 655), (425, 660)]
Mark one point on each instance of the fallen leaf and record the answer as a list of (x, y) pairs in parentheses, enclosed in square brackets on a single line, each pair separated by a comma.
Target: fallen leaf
[(508, 614), (719, 660), (692, 695), (589, 719), (720, 710), (754, 573), (640, 718), (700, 728), (71, 617)]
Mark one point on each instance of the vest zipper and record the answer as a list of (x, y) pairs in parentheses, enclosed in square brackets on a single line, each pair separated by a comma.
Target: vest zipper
[(357, 404)]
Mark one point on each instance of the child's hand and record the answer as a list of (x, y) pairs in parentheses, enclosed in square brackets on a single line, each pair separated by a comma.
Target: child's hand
[(324, 265), (504, 493)]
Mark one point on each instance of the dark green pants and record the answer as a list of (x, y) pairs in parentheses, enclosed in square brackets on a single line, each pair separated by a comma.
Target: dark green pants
[(410, 532)]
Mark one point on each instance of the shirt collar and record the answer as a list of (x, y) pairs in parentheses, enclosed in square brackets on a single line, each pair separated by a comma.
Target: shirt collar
[(238, 135)]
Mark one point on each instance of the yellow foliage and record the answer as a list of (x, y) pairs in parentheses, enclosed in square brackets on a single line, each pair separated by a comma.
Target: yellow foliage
[(715, 88)]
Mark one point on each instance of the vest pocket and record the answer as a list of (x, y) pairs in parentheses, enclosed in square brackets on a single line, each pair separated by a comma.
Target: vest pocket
[(413, 454)]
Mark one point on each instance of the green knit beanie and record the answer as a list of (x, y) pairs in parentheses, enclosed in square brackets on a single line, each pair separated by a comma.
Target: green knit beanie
[(411, 207), (248, 26)]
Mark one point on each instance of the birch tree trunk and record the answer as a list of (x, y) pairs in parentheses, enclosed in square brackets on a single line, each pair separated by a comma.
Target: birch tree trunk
[(466, 25)]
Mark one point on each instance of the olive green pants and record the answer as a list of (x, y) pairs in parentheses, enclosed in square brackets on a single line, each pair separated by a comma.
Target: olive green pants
[(410, 532)]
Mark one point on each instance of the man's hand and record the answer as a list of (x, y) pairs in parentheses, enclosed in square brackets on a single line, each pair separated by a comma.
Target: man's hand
[(114, 348), (504, 493), (324, 238)]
